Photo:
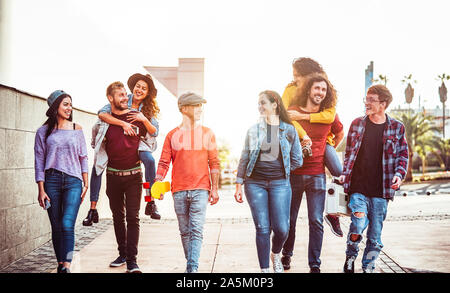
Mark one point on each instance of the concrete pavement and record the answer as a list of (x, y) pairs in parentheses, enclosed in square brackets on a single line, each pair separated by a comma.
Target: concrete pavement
[(415, 235), (416, 238)]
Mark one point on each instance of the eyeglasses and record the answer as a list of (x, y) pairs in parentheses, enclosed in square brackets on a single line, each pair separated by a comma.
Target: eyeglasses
[(370, 100)]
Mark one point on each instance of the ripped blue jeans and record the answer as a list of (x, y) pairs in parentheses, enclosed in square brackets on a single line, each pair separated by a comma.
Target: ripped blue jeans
[(374, 209)]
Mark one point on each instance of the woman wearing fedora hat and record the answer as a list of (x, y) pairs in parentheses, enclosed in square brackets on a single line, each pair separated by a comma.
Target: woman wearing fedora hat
[(61, 172), (143, 101)]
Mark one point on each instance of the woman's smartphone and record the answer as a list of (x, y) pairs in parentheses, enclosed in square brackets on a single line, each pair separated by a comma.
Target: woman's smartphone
[(47, 205), (135, 129)]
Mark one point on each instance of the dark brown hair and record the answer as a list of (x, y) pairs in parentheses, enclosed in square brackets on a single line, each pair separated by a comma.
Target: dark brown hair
[(303, 93), (305, 66), (384, 95), (52, 121), (274, 97)]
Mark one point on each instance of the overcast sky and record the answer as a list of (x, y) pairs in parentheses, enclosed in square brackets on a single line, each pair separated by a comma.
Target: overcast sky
[(248, 46)]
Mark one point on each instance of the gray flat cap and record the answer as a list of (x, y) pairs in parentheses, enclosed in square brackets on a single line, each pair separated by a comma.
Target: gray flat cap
[(190, 98)]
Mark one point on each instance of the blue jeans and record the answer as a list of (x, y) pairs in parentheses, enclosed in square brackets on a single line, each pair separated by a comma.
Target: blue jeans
[(150, 173), (375, 210), (96, 184), (190, 207), (314, 186), (64, 192), (332, 161), (149, 163), (270, 202)]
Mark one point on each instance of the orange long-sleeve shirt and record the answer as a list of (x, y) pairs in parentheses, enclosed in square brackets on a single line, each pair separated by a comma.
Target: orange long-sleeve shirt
[(193, 153)]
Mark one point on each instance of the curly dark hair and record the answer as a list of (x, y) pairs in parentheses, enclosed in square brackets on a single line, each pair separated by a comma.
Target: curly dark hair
[(303, 93), (305, 66), (149, 106)]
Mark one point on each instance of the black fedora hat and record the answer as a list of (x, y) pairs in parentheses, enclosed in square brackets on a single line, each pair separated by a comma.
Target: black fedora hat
[(147, 78)]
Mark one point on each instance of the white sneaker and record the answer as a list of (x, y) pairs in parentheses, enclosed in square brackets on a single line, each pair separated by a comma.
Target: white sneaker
[(265, 271), (277, 265)]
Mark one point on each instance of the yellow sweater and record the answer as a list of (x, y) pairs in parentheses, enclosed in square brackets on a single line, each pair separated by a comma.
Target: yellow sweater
[(324, 117)]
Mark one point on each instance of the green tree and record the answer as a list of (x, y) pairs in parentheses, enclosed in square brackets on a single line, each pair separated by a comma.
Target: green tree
[(426, 144), (441, 149), (419, 129), (443, 98), (224, 151)]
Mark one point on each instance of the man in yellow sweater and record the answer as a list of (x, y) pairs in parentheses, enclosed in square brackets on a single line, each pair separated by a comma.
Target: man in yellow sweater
[(303, 67)]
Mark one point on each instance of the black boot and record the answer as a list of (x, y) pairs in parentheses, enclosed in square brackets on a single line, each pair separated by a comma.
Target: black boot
[(92, 216), (152, 211), (349, 265)]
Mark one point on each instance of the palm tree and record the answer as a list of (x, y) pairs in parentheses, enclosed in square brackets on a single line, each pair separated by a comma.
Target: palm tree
[(441, 149), (419, 128), (425, 145), (409, 91), (382, 79), (443, 98)]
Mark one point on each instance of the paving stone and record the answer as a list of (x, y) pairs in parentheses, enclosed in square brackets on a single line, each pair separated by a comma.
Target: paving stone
[(44, 256)]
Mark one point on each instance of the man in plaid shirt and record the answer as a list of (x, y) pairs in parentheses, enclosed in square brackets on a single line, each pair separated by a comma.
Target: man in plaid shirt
[(375, 163)]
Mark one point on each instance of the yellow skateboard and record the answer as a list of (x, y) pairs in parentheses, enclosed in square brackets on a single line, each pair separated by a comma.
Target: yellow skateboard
[(159, 188)]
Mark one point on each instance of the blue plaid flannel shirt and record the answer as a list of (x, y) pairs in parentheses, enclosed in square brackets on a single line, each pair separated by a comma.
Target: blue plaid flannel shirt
[(395, 152)]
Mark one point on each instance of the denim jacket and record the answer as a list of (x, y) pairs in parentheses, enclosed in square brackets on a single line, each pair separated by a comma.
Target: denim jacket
[(289, 145)]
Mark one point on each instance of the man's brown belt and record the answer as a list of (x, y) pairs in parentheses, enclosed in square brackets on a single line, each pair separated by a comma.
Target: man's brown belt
[(123, 173)]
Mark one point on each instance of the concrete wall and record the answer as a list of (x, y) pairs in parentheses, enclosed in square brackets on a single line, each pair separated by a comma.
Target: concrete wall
[(24, 225), (191, 75), (188, 76)]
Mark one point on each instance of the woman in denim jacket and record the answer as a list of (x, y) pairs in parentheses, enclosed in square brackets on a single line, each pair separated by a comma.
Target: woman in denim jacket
[(143, 101), (272, 149)]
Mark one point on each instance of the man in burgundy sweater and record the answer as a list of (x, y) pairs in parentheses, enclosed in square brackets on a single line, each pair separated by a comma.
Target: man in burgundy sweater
[(124, 179)]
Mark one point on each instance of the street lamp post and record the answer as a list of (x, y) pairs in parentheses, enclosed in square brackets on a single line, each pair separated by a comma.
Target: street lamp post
[(443, 97)]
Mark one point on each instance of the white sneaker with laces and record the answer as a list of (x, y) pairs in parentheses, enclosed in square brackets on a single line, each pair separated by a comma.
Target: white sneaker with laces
[(277, 265), (265, 271)]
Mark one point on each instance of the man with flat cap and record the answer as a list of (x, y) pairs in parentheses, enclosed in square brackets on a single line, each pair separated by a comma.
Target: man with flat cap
[(191, 147)]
